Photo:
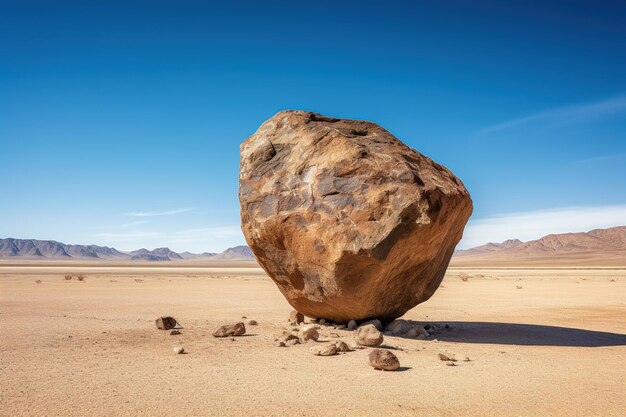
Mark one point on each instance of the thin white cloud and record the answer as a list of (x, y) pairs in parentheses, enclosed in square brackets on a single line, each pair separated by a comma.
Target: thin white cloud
[(535, 224), (158, 213), (577, 113), (124, 226)]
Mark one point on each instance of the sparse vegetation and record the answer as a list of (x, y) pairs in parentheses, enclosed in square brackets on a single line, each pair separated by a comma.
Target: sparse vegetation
[(80, 277), (519, 287), (68, 277), (138, 280), (464, 277), (38, 281)]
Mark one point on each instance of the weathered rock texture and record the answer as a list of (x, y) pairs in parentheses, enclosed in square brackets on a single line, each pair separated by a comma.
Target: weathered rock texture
[(348, 221)]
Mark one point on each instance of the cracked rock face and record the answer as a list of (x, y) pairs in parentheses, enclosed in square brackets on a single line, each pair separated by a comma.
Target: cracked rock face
[(348, 221)]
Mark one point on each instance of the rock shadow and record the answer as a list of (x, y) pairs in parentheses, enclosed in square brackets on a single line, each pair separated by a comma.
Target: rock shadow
[(523, 334)]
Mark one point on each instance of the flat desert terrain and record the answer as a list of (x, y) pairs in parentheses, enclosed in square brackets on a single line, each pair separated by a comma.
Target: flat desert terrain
[(528, 342)]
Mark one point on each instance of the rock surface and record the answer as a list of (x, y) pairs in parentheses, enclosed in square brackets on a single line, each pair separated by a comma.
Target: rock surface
[(309, 333), (226, 330), (295, 318), (165, 323), (368, 335), (348, 221), (328, 349), (383, 359)]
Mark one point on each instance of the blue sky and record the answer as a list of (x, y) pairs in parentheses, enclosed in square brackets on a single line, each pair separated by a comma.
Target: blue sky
[(120, 121)]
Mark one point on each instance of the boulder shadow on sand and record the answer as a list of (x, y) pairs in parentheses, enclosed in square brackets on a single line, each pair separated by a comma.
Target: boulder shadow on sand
[(524, 334)]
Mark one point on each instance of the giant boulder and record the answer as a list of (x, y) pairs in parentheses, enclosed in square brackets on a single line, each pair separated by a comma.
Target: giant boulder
[(348, 221)]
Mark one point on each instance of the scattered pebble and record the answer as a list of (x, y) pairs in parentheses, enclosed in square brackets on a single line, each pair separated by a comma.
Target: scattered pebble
[(309, 333), (166, 323), (351, 325), (296, 317), (252, 322), (446, 358), (174, 332), (178, 350), (368, 335), (236, 329), (383, 359), (342, 346), (376, 323), (327, 349)]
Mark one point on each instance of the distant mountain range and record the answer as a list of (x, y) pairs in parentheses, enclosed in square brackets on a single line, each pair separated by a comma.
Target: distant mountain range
[(599, 243), (50, 249)]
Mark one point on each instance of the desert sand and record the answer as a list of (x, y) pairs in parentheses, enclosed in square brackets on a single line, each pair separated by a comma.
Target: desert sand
[(542, 341)]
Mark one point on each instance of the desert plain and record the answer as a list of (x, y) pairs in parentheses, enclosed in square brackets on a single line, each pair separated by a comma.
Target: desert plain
[(528, 341)]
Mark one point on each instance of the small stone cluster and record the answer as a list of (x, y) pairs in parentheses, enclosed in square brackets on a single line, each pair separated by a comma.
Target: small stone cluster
[(319, 334)]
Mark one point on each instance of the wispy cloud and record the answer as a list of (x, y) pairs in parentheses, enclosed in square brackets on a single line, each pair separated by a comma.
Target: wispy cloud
[(158, 213), (535, 224), (124, 226), (576, 113)]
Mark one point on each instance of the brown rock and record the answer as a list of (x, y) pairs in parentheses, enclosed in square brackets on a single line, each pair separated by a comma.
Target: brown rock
[(342, 346), (446, 358), (309, 333), (287, 339), (347, 220), (226, 330), (328, 349), (384, 359), (399, 327), (368, 335), (295, 318), (165, 323)]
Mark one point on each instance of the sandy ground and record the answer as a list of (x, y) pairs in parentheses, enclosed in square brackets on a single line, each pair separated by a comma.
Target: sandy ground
[(539, 342)]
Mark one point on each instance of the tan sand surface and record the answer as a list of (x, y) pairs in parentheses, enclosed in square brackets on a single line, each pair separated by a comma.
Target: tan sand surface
[(554, 346)]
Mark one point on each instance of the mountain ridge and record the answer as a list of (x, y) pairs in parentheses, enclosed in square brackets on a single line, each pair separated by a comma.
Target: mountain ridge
[(52, 249), (607, 240)]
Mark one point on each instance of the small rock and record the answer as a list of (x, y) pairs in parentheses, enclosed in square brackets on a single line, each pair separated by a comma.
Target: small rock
[(166, 323), (368, 335), (383, 359), (446, 358), (288, 339), (451, 364), (351, 325), (376, 324), (243, 317), (281, 344), (295, 318), (412, 333), (309, 333), (174, 332), (252, 322), (178, 350), (342, 346), (355, 346), (421, 330), (226, 330), (322, 321), (328, 349), (398, 327)]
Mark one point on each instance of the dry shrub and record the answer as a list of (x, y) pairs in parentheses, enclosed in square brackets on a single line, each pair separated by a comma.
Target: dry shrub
[(68, 277), (138, 280), (80, 277), (464, 277), (38, 281)]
